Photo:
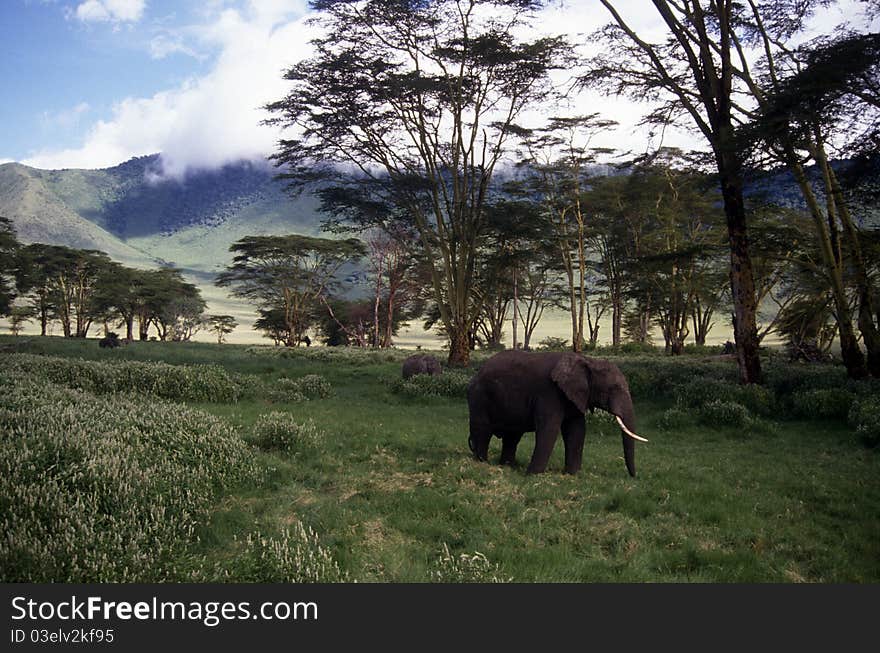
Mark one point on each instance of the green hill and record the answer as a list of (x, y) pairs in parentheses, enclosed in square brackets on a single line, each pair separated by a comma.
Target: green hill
[(142, 219), (131, 212)]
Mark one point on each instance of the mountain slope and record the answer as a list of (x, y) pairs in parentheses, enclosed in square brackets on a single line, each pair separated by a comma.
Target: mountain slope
[(138, 217)]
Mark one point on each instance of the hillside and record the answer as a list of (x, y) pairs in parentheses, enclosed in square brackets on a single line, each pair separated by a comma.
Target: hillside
[(138, 217)]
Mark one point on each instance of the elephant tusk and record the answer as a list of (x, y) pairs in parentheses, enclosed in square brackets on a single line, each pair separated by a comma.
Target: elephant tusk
[(627, 431)]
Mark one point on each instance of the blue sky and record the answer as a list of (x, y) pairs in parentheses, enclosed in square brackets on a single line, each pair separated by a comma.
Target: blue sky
[(91, 83), (60, 73), (87, 82)]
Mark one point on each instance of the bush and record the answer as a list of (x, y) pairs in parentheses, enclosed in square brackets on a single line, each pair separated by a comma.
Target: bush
[(277, 430), (313, 386), (310, 386), (674, 419), (295, 557), (105, 489), (551, 343), (283, 391), (864, 417), (448, 384), (465, 568), (834, 403), (725, 413), (656, 376), (344, 355), (209, 383), (700, 391)]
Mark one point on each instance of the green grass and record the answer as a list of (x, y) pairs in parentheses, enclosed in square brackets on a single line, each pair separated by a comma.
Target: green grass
[(392, 494)]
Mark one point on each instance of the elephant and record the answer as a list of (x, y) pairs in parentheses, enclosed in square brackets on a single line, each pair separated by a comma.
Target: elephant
[(516, 392), (421, 364)]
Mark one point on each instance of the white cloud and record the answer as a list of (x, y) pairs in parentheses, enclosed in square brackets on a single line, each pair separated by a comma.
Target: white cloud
[(111, 10), (215, 119), (211, 120), (65, 118), (165, 45)]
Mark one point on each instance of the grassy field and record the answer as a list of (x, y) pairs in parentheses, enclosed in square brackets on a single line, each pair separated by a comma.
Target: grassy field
[(374, 482)]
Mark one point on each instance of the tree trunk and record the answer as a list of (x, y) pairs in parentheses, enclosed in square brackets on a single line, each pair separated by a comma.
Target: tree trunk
[(867, 327), (852, 355), (742, 281), (459, 347)]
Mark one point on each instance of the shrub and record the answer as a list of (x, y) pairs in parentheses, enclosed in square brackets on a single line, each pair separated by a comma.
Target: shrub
[(283, 391), (551, 343), (725, 413), (465, 568), (833, 403), (448, 384), (209, 383), (344, 355), (700, 391), (864, 417), (313, 386), (675, 418), (277, 430), (294, 557), (105, 489)]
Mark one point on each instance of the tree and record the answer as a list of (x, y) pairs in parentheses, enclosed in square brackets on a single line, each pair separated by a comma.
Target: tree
[(221, 325), (9, 246), (63, 284), (805, 97), (692, 73), (412, 104), (558, 159), (36, 267), (18, 315), (287, 273), (394, 269)]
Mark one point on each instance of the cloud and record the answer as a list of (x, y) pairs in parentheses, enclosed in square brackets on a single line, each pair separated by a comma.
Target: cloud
[(165, 45), (211, 120), (111, 10), (65, 118), (215, 119)]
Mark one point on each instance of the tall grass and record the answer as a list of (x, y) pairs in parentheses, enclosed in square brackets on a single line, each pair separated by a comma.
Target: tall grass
[(105, 488), (736, 485)]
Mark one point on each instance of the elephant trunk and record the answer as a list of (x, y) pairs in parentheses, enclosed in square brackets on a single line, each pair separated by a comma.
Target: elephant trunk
[(626, 419)]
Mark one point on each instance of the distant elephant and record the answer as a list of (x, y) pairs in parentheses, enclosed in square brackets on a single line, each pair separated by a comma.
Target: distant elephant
[(109, 341), (421, 364), (516, 392)]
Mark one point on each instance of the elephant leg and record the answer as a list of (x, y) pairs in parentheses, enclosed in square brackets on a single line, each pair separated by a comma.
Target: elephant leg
[(573, 433), (509, 442), (478, 441), (545, 437)]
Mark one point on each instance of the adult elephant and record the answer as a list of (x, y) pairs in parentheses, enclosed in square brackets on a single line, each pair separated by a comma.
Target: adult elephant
[(420, 364), (516, 392)]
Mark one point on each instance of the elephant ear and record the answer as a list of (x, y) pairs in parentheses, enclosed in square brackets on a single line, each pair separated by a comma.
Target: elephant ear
[(571, 375)]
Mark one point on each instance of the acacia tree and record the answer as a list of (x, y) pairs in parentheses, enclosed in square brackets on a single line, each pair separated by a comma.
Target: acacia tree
[(287, 273), (414, 103), (9, 246), (691, 73), (222, 325), (809, 97), (558, 157)]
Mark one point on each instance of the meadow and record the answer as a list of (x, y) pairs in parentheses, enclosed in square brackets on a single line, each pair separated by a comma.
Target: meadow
[(200, 462)]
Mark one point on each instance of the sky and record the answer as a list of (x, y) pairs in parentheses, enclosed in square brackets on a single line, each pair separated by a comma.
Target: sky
[(92, 83)]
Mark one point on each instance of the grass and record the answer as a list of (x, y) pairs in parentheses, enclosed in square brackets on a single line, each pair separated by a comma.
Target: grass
[(390, 494)]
